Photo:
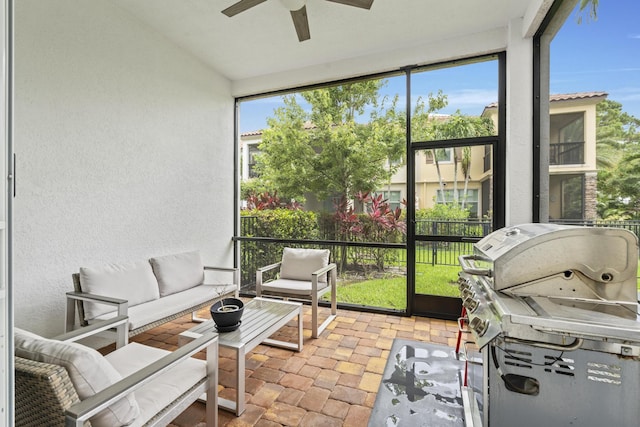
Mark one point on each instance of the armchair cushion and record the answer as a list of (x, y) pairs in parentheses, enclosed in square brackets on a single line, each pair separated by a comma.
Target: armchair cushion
[(88, 370), (292, 287), (178, 272), (133, 281), (164, 389), (299, 264)]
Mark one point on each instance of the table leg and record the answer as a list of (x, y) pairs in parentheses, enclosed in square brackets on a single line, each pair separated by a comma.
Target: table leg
[(300, 333), (240, 372), (289, 345)]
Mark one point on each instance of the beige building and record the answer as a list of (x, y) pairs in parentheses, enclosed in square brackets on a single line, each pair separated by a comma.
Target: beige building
[(572, 165)]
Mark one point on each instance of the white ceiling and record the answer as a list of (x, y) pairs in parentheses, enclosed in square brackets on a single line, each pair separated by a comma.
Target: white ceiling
[(262, 41)]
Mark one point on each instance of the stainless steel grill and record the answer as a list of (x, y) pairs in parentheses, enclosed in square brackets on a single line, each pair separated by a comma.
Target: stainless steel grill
[(554, 312)]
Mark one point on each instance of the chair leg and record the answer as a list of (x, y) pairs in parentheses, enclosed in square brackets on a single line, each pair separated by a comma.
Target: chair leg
[(334, 292), (317, 330), (197, 319), (258, 283), (314, 316)]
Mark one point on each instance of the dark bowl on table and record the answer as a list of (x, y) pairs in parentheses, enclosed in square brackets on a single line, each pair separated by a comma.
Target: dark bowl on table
[(227, 314)]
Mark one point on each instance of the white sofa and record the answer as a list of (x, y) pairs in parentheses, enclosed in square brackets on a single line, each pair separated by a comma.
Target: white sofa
[(149, 292)]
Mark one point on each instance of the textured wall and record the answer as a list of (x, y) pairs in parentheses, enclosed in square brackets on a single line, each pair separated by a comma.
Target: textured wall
[(519, 161), (124, 149)]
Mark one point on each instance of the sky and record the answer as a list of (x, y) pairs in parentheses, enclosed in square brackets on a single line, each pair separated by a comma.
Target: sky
[(595, 55)]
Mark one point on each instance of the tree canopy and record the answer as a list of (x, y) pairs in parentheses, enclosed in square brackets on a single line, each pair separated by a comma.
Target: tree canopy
[(618, 157), (330, 150)]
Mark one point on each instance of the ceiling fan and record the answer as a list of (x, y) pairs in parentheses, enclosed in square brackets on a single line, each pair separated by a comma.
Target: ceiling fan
[(298, 10)]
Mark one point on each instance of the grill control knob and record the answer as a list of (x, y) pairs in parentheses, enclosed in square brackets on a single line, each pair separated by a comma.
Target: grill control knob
[(479, 326), (463, 284), (470, 304), (467, 293)]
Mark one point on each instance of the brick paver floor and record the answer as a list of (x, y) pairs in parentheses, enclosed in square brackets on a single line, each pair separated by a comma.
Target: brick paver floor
[(332, 382)]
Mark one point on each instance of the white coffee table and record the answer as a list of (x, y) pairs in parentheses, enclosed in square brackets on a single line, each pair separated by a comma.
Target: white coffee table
[(261, 318)]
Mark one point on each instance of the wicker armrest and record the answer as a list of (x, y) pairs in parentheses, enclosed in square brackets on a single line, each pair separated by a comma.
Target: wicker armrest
[(44, 394)]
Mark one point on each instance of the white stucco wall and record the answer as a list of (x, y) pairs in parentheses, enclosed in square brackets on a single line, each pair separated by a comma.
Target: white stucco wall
[(124, 148), (519, 161)]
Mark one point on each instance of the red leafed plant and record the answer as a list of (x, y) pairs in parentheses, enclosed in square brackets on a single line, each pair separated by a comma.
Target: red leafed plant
[(266, 200), (378, 223)]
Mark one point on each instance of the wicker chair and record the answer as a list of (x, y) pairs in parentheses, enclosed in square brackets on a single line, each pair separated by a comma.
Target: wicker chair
[(46, 395), (305, 274), (43, 393)]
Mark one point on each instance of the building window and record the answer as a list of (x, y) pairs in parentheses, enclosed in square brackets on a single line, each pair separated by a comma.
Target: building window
[(394, 198), (567, 139), (566, 197), (253, 151), (573, 197), (468, 201), (443, 155)]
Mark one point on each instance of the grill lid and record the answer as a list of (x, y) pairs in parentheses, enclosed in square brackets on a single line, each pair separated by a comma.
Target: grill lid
[(530, 252)]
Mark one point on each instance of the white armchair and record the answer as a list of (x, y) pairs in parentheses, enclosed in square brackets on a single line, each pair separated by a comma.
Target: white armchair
[(63, 383), (304, 274)]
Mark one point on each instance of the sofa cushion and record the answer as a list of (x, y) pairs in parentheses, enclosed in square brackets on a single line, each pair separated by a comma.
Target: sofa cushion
[(178, 272), (298, 264), (88, 370), (153, 311), (133, 282), (162, 390)]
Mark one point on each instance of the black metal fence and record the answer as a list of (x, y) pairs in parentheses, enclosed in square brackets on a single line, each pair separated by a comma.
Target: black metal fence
[(354, 255), (633, 226)]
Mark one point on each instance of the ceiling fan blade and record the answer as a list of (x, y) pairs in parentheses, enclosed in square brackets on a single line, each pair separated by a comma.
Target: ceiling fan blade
[(301, 23), (364, 4), (241, 6)]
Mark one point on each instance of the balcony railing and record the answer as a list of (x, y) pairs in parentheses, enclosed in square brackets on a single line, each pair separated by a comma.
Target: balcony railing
[(566, 153)]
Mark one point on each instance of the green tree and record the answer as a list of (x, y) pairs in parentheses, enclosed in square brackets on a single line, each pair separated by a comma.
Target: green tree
[(617, 154), (326, 151)]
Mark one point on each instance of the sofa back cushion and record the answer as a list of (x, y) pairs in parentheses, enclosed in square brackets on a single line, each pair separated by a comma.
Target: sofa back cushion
[(298, 264), (133, 282), (88, 370), (178, 272)]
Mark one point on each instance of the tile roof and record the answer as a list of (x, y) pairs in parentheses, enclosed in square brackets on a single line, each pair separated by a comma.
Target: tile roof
[(307, 125), (566, 97)]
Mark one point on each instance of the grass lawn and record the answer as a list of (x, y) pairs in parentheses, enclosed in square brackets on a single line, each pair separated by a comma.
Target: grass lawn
[(391, 292)]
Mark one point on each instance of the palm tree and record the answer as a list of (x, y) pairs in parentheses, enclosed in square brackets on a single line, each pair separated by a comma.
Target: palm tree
[(436, 154), (465, 164), (592, 5)]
